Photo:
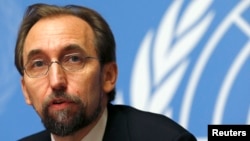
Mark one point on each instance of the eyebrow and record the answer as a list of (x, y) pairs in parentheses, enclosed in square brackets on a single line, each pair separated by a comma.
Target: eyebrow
[(70, 47), (73, 47), (33, 53)]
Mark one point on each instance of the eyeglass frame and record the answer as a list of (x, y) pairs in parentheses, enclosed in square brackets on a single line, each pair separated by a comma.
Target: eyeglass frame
[(59, 63)]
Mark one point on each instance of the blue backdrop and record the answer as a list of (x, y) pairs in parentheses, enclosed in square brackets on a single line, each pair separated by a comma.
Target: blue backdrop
[(189, 60)]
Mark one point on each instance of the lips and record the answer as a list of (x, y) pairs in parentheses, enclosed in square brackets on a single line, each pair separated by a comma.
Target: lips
[(60, 103)]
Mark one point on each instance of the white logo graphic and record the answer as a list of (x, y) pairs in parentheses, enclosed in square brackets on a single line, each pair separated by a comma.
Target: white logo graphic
[(164, 56), (233, 18), (153, 89)]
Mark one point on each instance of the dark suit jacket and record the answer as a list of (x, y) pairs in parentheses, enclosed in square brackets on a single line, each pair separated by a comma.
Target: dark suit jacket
[(129, 124)]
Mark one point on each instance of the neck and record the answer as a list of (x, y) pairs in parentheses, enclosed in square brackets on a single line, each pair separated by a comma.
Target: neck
[(80, 134)]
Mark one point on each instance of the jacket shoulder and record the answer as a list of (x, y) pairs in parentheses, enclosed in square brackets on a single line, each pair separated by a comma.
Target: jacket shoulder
[(147, 125), (40, 136)]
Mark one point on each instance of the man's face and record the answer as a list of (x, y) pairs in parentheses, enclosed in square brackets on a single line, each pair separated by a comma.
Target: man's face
[(62, 97)]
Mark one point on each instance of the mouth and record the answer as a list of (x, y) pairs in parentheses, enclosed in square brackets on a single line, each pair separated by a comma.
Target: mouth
[(58, 104)]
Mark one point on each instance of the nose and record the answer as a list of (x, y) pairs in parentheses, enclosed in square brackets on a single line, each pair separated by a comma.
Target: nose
[(57, 76)]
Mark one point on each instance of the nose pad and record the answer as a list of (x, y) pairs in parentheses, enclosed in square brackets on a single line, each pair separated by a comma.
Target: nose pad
[(57, 76), (58, 67), (55, 62)]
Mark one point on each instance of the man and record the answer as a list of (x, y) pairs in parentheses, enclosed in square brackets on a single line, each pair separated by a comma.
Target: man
[(66, 57)]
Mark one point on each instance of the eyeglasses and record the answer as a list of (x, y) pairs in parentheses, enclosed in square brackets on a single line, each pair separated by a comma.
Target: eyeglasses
[(70, 62)]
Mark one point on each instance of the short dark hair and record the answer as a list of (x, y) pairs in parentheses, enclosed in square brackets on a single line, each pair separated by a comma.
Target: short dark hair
[(104, 40)]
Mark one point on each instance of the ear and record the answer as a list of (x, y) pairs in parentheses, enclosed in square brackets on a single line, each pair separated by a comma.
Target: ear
[(110, 73), (25, 92)]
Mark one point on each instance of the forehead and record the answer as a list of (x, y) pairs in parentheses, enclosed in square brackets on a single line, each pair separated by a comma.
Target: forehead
[(51, 35)]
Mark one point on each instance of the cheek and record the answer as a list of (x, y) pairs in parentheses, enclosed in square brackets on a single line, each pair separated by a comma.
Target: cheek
[(36, 91), (87, 87)]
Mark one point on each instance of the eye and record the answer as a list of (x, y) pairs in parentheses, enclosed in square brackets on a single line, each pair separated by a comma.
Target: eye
[(73, 58), (38, 63), (35, 64)]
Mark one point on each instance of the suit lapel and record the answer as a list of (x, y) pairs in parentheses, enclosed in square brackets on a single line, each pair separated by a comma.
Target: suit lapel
[(117, 127)]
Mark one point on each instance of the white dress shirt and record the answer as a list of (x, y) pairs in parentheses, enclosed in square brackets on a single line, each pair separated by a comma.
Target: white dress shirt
[(96, 133)]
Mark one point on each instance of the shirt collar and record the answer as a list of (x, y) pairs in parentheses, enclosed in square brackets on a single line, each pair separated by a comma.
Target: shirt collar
[(96, 133)]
